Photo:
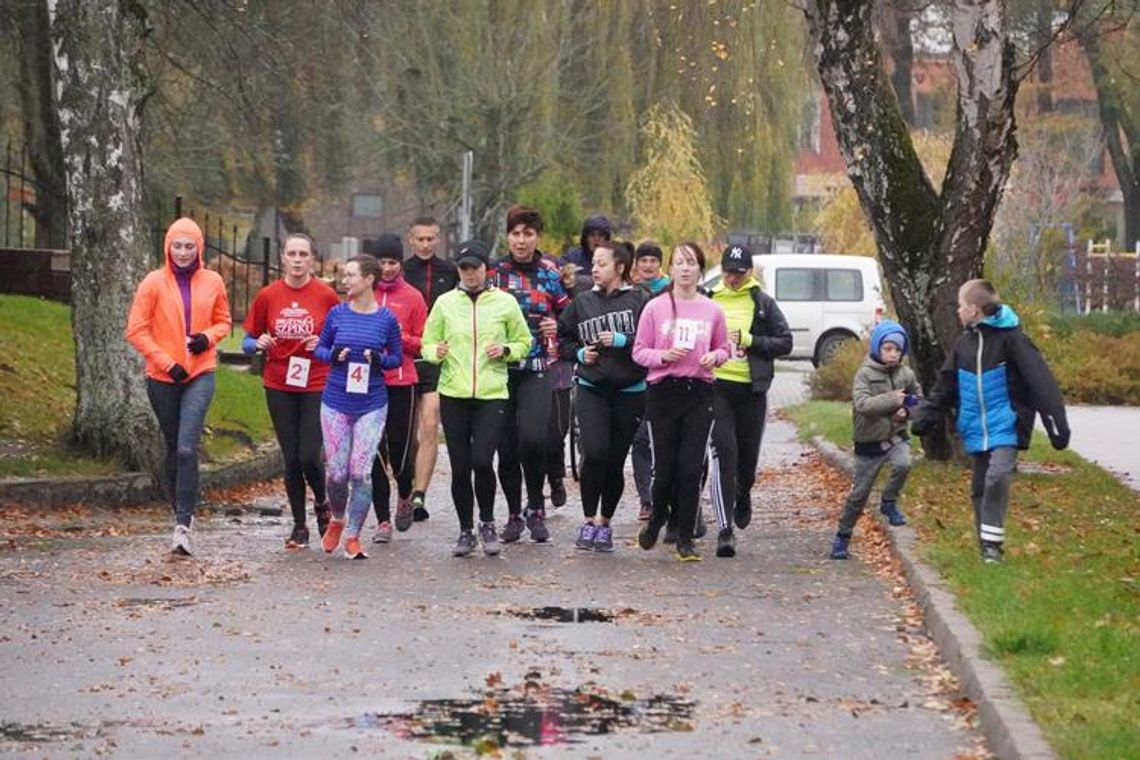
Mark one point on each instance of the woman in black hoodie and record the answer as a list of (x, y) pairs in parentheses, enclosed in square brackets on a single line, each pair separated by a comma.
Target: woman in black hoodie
[(597, 330)]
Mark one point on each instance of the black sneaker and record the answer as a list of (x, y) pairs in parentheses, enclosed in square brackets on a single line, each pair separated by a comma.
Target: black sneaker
[(465, 545), (991, 552), (687, 552), (742, 514), (647, 538), (490, 538), (536, 524), (299, 538), (323, 517), (419, 512), (513, 529), (670, 535), (726, 543), (557, 492)]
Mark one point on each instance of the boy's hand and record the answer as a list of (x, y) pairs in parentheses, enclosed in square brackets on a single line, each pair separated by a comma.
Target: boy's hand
[(1058, 435), (900, 415)]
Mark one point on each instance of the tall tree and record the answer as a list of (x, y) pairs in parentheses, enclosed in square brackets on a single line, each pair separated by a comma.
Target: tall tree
[(929, 242), (29, 24), (1115, 77), (98, 46)]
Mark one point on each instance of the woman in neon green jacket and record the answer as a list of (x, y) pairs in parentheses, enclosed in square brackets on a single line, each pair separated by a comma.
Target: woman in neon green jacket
[(473, 332)]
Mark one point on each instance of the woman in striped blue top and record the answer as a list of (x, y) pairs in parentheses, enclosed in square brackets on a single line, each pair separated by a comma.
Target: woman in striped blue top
[(360, 339)]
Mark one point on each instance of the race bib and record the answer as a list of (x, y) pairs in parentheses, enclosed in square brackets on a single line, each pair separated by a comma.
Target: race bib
[(357, 378), (297, 373), (685, 333)]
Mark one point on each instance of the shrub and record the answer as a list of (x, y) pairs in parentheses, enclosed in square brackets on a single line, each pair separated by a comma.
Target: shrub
[(832, 381), (1118, 324)]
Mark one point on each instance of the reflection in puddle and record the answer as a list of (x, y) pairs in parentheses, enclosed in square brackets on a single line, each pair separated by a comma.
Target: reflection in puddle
[(547, 716)]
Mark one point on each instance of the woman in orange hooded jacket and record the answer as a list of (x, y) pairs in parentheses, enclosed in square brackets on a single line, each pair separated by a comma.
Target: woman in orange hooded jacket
[(179, 314)]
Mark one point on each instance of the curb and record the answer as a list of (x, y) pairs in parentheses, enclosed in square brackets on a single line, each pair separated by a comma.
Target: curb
[(1010, 732), (134, 488)]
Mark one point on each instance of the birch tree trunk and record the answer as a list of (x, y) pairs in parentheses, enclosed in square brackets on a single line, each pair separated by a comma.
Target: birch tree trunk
[(929, 242), (98, 48)]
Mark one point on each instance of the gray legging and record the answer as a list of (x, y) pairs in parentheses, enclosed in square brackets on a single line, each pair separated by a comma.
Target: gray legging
[(181, 412), (866, 469)]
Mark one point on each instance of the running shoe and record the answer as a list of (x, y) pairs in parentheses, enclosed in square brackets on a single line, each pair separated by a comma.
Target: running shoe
[(404, 515), (604, 539), (419, 511), (586, 536), (465, 545), (490, 539), (726, 543), (299, 538), (331, 539), (353, 549), (557, 492), (536, 524), (182, 542), (687, 552), (383, 533), (513, 529)]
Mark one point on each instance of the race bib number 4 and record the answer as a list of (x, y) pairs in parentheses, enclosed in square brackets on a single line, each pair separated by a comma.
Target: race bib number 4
[(357, 378), (685, 333), (297, 374)]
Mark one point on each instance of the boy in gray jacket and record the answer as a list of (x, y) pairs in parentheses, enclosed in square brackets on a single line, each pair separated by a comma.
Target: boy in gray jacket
[(881, 396)]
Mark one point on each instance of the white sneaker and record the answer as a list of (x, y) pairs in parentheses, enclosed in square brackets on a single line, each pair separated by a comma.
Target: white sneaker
[(182, 542)]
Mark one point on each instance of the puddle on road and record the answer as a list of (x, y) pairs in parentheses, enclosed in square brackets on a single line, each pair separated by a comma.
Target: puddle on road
[(564, 614), (556, 716), (157, 602), (38, 733)]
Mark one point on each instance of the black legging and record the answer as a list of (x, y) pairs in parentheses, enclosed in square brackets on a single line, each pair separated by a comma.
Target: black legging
[(296, 419), (522, 447), (556, 434), (472, 428), (680, 414), (607, 420), (397, 451)]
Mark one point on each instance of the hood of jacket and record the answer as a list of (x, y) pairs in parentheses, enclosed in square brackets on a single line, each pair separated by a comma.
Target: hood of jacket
[(184, 227), (1004, 319)]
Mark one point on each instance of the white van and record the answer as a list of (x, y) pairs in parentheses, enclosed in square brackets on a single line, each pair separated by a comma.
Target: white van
[(827, 299)]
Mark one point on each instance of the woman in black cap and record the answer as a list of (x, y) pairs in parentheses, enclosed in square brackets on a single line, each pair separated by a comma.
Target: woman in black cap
[(472, 333)]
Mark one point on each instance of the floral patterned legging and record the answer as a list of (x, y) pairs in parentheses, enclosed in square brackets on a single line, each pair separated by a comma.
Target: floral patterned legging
[(351, 443)]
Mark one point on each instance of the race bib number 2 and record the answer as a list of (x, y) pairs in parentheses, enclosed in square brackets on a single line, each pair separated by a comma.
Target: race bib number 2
[(297, 374), (357, 378)]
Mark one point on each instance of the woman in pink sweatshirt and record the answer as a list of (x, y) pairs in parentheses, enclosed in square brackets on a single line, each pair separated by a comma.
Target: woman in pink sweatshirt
[(681, 337)]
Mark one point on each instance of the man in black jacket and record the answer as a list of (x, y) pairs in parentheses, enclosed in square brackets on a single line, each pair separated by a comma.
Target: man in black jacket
[(758, 334), (432, 276)]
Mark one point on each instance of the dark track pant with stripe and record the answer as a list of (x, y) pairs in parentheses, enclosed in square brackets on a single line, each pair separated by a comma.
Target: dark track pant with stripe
[(734, 448)]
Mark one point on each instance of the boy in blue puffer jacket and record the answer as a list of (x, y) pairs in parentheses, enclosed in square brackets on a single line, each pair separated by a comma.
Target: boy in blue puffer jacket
[(994, 381), (882, 393)]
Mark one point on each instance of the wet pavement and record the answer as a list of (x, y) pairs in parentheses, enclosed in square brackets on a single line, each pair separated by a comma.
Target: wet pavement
[(110, 649)]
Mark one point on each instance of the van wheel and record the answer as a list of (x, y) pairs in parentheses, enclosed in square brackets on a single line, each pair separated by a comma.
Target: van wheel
[(829, 346)]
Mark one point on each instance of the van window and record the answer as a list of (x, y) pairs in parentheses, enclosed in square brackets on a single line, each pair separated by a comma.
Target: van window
[(844, 285), (795, 284)]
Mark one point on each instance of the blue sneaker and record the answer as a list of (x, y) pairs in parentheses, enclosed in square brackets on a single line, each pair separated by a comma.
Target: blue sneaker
[(839, 548), (891, 511), (586, 536), (604, 539)]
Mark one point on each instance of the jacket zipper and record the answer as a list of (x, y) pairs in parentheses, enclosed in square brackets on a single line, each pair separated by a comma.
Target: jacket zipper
[(384, 304), (982, 395), (427, 282), (475, 344)]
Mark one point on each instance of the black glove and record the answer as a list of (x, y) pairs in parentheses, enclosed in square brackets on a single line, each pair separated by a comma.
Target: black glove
[(1058, 435), (334, 354), (198, 343), (377, 359), (178, 373)]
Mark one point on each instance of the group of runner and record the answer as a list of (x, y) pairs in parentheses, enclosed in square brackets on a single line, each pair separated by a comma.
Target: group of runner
[(493, 350)]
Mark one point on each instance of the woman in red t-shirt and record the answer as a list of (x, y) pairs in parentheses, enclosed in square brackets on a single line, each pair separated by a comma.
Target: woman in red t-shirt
[(285, 323)]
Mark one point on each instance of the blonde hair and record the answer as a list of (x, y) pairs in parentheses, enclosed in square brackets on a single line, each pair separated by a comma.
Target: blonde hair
[(980, 293)]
